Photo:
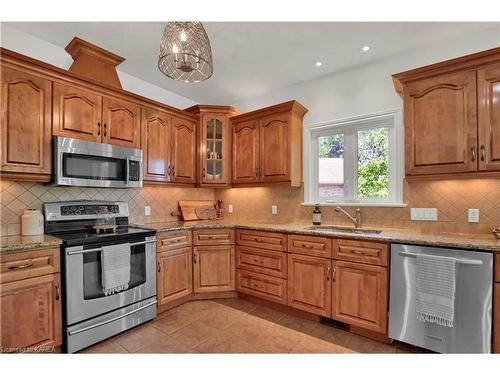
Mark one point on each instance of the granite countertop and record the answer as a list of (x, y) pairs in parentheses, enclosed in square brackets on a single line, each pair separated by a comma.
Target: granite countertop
[(23, 243), (464, 241), (460, 241)]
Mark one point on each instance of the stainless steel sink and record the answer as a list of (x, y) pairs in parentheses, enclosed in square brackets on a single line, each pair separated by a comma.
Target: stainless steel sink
[(331, 228)]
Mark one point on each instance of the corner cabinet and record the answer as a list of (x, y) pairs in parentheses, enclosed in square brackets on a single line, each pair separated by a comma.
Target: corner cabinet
[(452, 117), (25, 125), (267, 145), (214, 144)]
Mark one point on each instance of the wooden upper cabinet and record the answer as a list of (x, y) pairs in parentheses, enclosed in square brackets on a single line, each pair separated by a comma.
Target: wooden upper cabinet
[(489, 117), (156, 145), (452, 117), (441, 124), (183, 151), (246, 152), (121, 122), (360, 295), (274, 148), (267, 145), (25, 123), (76, 113), (309, 284)]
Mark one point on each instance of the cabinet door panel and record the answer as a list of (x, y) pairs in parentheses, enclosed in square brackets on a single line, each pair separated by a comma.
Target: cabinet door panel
[(76, 113), (175, 275), (360, 295), (246, 152), (441, 124), (156, 145), (214, 269), (489, 118), (183, 151), (309, 285), (214, 149), (275, 148), (31, 312), (25, 122), (121, 122)]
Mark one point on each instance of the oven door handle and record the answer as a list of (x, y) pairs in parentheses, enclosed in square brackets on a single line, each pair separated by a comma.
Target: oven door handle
[(76, 331), (73, 252)]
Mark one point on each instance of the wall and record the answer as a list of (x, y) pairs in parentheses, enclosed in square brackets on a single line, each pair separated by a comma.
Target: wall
[(360, 91), (39, 49), (452, 198), (16, 196)]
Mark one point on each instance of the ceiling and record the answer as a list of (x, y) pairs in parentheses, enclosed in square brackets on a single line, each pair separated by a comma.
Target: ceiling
[(251, 59)]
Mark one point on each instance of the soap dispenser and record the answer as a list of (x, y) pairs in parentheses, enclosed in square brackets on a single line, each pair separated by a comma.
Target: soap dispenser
[(316, 215)]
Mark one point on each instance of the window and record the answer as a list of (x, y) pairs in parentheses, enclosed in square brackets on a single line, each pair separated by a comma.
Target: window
[(356, 161)]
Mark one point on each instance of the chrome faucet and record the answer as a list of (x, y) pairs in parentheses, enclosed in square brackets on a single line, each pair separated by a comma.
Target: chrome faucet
[(355, 220)]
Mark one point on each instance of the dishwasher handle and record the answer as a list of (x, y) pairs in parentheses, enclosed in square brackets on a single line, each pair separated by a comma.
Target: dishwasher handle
[(472, 262)]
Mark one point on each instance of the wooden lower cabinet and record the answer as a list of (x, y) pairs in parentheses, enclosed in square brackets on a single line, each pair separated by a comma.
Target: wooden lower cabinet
[(31, 313), (262, 286), (175, 274), (360, 295), (214, 268), (309, 285)]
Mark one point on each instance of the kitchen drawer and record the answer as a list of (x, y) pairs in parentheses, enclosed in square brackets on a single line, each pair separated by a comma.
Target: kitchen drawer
[(213, 236), (310, 245), (268, 262), (173, 240), (497, 268), (24, 265), (361, 251), (262, 240), (263, 286)]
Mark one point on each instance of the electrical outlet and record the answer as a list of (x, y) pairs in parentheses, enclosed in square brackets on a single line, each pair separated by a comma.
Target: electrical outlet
[(230, 208), (274, 209), (426, 214), (147, 210), (473, 215)]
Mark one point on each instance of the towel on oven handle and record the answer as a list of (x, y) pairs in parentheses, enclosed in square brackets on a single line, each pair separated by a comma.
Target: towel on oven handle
[(115, 268)]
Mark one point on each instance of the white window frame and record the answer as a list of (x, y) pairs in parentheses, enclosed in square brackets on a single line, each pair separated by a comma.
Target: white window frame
[(391, 120)]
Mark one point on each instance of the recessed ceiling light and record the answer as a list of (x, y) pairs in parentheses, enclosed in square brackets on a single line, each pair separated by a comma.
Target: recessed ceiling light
[(365, 48), (319, 63)]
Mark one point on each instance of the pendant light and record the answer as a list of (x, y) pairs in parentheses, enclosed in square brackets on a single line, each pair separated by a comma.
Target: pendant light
[(185, 53)]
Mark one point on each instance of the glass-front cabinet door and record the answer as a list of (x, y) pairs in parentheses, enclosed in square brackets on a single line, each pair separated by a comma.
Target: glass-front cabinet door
[(215, 150)]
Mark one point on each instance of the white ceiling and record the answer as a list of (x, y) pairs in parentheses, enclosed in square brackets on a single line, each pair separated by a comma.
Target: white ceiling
[(251, 59)]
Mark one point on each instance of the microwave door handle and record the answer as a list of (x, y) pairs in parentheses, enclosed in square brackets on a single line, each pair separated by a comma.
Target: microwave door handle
[(127, 170)]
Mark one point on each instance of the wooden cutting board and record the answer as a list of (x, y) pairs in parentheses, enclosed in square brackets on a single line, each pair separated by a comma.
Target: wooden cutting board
[(187, 209)]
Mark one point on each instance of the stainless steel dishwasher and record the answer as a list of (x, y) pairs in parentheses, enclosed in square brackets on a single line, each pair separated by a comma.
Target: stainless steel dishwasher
[(471, 331)]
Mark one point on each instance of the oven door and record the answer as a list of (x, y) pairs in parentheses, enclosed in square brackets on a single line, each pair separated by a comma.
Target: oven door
[(84, 290), (82, 163)]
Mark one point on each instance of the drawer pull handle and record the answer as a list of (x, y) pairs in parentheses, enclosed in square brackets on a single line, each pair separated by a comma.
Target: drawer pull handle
[(21, 266), (360, 252), (58, 292), (259, 240), (258, 286), (307, 246)]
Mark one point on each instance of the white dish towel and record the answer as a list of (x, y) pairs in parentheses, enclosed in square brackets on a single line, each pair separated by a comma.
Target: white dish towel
[(115, 268), (435, 289)]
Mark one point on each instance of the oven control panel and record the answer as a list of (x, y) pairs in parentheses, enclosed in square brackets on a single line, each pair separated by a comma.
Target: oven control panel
[(93, 209)]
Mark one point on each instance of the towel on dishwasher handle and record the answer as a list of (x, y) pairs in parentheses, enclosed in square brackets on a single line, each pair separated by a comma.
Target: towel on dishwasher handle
[(115, 268), (435, 289)]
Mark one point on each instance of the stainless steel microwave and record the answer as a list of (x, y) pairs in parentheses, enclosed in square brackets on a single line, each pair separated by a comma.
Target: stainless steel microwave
[(92, 164)]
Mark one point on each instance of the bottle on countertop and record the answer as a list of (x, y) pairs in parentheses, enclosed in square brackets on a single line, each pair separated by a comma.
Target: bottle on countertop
[(316, 215)]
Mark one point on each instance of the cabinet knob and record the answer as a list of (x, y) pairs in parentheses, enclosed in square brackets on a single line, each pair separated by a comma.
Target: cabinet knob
[(159, 266)]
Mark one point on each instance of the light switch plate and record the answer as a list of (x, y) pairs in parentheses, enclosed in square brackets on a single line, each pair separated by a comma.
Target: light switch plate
[(426, 214), (147, 210), (274, 209), (473, 215), (230, 208)]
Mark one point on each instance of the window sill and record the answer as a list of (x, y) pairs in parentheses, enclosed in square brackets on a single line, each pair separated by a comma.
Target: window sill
[(360, 204)]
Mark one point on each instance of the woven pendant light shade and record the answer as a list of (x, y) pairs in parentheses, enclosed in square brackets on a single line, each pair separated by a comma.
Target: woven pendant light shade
[(185, 53)]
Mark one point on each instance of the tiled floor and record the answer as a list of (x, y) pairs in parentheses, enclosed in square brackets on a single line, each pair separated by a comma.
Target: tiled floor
[(237, 326)]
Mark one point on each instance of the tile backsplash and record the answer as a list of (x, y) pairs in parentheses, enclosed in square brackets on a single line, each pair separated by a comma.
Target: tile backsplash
[(16, 196), (452, 198)]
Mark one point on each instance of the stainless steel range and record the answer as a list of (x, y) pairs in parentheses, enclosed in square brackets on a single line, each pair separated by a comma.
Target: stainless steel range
[(93, 313)]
